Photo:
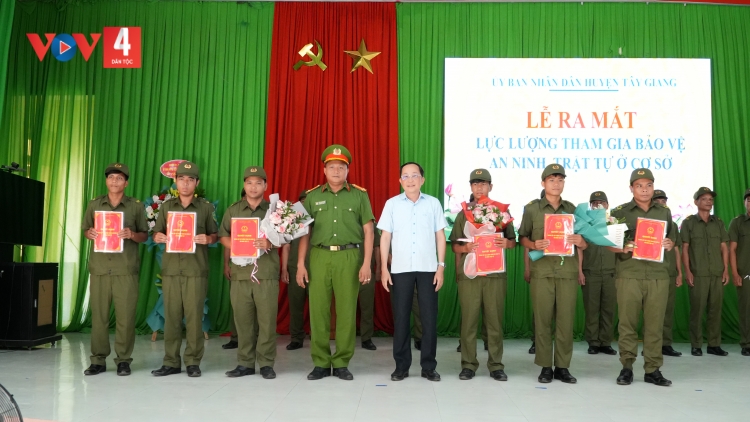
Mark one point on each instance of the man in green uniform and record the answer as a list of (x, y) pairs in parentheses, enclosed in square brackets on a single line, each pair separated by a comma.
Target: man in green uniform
[(114, 276), (185, 275), (367, 299), (554, 280), (254, 286), (641, 285), (705, 256), (343, 223), (296, 294), (599, 294), (486, 293), (739, 253), (674, 266)]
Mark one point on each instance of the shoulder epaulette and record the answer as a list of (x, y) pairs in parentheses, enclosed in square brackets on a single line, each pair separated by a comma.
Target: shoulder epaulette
[(689, 217), (99, 197), (359, 187), (310, 190), (237, 202), (619, 207), (533, 201)]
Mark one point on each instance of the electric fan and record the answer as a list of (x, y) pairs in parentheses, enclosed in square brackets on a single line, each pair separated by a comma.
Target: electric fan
[(9, 411)]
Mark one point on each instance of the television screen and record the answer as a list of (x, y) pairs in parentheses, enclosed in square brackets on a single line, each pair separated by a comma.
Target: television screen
[(22, 212)]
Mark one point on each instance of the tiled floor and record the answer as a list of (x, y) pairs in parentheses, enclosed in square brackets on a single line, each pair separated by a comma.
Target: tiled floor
[(49, 384)]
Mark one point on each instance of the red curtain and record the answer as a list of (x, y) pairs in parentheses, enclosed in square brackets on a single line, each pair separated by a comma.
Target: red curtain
[(310, 109)]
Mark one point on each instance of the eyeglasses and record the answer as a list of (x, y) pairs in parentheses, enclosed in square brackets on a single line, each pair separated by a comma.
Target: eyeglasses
[(406, 177)]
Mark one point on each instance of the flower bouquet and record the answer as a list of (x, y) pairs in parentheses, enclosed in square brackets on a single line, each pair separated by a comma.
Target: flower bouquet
[(483, 216)]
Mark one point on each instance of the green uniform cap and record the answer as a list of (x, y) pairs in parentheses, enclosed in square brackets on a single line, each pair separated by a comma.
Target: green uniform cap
[(254, 171), (641, 174), (480, 174), (187, 168), (659, 194), (302, 195), (117, 168), (553, 168), (598, 196), (747, 193), (702, 191), (336, 152)]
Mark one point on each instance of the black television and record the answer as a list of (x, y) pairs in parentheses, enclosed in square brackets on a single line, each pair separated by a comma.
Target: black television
[(22, 210)]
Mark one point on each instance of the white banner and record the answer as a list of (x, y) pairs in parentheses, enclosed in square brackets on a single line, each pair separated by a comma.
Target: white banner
[(599, 118)]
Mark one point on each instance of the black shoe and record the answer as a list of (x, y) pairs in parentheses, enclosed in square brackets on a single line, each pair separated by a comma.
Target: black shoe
[(267, 373), (165, 370), (593, 350), (240, 371), (564, 375), (398, 375), (718, 351), (607, 350), (532, 349), (626, 377), (458, 349), (123, 369), (418, 344), (369, 345), (343, 374), (499, 375), (696, 351), (95, 370), (657, 378), (294, 345), (485, 346), (670, 351), (745, 351), (193, 371), (466, 374), (231, 345), (319, 373), (546, 376), (431, 375)]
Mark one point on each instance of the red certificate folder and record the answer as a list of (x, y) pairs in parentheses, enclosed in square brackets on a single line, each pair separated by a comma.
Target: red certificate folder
[(490, 258), (556, 227), (648, 237), (181, 228), (108, 224), (244, 235)]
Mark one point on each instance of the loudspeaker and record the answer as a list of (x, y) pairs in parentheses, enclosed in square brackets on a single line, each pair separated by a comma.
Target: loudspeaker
[(28, 304)]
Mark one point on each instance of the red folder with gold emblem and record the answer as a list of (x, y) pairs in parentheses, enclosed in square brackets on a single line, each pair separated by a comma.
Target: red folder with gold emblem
[(181, 228), (244, 234), (556, 228), (107, 224), (649, 234), (490, 258)]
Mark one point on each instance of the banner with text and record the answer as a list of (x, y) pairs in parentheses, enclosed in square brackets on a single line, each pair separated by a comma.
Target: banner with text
[(599, 118)]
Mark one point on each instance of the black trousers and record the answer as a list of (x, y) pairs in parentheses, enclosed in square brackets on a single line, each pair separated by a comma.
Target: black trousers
[(402, 294)]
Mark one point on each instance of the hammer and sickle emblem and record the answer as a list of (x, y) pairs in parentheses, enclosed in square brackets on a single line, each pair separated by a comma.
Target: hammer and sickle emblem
[(315, 60)]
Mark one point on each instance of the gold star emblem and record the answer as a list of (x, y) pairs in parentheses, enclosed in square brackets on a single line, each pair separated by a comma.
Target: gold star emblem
[(362, 57)]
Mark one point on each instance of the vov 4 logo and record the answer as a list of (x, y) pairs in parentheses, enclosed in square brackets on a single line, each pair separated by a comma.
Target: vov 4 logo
[(122, 46)]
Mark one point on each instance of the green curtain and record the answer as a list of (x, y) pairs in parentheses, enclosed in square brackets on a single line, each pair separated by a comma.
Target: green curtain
[(7, 8), (430, 32), (200, 95)]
